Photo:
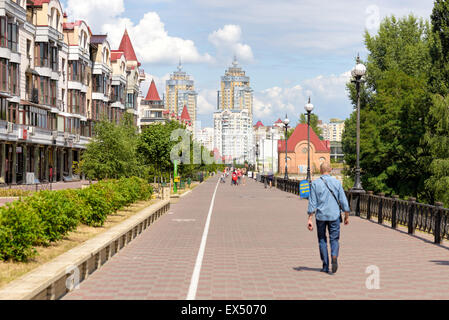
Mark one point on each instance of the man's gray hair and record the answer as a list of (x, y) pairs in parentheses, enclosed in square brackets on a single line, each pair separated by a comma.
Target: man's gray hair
[(325, 167)]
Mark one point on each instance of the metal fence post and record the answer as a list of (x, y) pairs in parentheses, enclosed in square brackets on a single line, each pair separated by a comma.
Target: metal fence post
[(380, 217), (437, 228), (411, 216), (368, 209), (394, 219)]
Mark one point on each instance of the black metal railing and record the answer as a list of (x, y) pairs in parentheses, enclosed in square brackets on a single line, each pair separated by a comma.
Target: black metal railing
[(432, 219)]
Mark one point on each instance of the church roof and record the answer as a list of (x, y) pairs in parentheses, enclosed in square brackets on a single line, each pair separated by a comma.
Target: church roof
[(300, 134)]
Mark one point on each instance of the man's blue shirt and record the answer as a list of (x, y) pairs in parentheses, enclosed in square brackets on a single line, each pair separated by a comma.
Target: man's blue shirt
[(321, 201)]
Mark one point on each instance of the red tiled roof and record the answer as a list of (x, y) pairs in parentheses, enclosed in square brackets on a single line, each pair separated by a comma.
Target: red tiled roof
[(300, 134), (40, 2), (152, 94), (127, 47), (259, 124), (279, 121), (71, 25), (115, 55), (185, 114)]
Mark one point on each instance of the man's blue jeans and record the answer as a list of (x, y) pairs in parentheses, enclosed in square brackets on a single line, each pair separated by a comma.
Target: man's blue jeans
[(334, 235)]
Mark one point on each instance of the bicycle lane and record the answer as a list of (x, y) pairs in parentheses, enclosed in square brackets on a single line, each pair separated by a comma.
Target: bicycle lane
[(160, 262)]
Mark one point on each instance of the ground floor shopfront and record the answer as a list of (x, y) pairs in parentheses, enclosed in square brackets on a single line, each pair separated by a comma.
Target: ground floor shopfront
[(28, 163)]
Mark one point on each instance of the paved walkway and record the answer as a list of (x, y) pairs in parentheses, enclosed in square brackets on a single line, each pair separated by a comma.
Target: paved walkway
[(258, 247)]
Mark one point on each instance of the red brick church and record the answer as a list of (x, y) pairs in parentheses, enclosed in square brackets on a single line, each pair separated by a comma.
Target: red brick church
[(297, 151)]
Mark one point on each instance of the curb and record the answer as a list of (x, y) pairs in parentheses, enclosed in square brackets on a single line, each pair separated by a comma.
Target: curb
[(61, 275)]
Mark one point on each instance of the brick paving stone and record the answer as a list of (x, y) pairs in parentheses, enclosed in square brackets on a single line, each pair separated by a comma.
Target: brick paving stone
[(258, 247)]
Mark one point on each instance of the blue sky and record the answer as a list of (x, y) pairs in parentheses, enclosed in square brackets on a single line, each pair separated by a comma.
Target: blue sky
[(290, 49)]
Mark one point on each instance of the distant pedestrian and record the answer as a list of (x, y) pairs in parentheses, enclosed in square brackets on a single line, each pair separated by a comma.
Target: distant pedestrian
[(270, 178), (327, 199), (234, 178)]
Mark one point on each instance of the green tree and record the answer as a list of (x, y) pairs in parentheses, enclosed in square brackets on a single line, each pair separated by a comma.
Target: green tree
[(394, 106), (436, 138), (155, 145), (112, 152), (438, 141), (313, 123)]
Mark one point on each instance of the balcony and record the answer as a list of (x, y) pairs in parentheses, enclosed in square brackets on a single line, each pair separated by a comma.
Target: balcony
[(32, 95), (12, 8), (46, 33)]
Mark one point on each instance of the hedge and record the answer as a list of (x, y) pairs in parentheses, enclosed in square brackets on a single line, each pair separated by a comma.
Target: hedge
[(48, 216)]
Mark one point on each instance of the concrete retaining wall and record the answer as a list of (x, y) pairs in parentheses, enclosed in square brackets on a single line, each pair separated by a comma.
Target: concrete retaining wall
[(56, 278)]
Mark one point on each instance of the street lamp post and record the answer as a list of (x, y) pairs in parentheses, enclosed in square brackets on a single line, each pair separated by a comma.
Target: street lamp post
[(309, 108), (286, 122), (263, 156), (257, 157), (272, 146), (357, 73)]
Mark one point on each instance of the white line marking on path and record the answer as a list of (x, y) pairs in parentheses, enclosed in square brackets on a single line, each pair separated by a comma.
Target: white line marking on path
[(199, 259)]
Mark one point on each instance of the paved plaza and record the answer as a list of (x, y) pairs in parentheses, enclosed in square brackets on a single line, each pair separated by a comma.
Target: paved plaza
[(257, 246)]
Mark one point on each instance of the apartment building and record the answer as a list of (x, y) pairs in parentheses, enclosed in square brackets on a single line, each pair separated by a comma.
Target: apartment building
[(57, 79)]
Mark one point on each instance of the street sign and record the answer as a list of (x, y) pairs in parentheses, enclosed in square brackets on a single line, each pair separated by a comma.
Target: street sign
[(304, 189)]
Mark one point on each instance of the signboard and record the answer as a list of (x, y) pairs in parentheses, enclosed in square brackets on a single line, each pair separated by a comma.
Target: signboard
[(304, 189), (25, 134), (176, 179)]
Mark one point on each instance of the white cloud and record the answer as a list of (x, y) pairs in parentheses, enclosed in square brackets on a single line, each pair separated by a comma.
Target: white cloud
[(328, 87), (158, 81), (326, 92), (93, 12), (207, 101), (228, 42), (151, 41)]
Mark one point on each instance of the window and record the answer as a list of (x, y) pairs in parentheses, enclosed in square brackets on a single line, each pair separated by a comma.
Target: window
[(13, 36), (53, 92), (13, 112), (3, 109), (54, 58), (14, 79), (36, 117), (29, 49), (3, 75), (41, 53), (3, 32), (44, 84)]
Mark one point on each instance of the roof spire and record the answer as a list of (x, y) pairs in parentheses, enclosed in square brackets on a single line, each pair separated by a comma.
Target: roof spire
[(152, 94), (235, 63), (180, 65)]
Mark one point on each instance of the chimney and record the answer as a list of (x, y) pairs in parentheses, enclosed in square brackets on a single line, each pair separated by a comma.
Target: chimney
[(64, 17)]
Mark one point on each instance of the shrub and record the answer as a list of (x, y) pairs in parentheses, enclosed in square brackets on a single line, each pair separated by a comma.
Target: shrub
[(58, 214), (20, 229), (47, 216)]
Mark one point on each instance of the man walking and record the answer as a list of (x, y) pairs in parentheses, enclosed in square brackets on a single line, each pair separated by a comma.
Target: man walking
[(327, 198)]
